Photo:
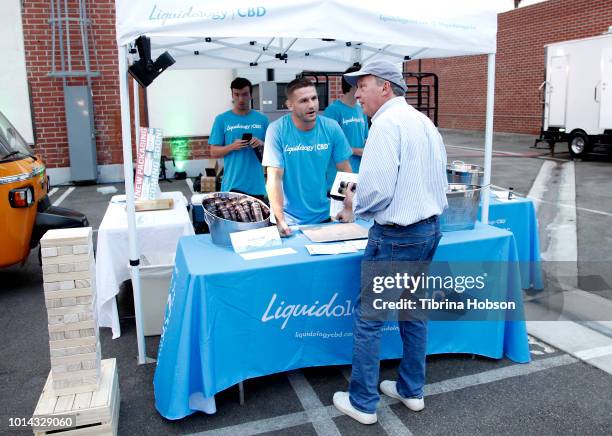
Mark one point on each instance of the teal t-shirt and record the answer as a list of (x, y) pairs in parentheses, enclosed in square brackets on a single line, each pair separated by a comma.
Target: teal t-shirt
[(354, 124), (305, 157), (242, 170)]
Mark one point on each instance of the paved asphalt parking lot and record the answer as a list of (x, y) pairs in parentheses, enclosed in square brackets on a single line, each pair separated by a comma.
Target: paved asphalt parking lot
[(557, 393)]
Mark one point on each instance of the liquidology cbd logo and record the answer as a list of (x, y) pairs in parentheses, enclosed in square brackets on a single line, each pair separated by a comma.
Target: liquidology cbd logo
[(162, 14)]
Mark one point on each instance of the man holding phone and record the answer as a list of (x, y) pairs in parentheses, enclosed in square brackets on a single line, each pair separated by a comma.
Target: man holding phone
[(236, 137)]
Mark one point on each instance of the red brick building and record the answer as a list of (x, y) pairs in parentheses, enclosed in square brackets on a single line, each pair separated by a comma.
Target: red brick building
[(522, 34)]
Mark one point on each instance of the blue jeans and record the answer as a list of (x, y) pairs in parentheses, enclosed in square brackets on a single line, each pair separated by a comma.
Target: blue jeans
[(417, 242)]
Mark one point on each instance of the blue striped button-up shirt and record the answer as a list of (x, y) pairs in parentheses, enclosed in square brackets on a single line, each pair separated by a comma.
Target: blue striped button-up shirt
[(402, 178)]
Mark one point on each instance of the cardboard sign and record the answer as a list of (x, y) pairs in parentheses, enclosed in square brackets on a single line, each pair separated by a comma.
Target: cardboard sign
[(146, 183)]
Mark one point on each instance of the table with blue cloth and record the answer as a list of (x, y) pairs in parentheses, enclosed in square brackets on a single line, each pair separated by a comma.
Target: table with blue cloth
[(518, 215), (229, 319)]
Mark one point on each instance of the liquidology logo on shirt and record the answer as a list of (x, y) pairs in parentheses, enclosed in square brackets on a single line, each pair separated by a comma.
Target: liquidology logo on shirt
[(243, 126), (352, 120), (301, 147)]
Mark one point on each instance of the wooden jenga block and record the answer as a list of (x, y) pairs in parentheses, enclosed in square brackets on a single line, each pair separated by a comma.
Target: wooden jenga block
[(83, 283), (64, 251), (55, 319), (65, 267), (69, 301), (75, 292), (85, 299), (66, 284), (51, 286), (60, 237), (71, 317), (73, 359), (74, 275), (82, 266), (85, 316), (76, 366), (78, 342), (58, 369), (86, 332), (72, 326), (48, 252), (89, 364), (50, 269), (80, 249), (84, 308), (52, 302), (56, 336), (69, 258), (72, 334)]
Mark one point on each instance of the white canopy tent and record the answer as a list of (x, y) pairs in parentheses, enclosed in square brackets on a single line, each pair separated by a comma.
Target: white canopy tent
[(301, 34)]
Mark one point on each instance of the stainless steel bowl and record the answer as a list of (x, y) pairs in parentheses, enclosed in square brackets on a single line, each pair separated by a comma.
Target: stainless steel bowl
[(463, 204), (220, 228), (464, 173)]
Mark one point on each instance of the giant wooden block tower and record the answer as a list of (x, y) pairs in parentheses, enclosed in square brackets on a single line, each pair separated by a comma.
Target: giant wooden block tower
[(69, 286), (80, 384)]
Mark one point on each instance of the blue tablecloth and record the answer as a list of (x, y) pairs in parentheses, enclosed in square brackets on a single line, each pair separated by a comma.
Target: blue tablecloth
[(225, 318), (519, 216)]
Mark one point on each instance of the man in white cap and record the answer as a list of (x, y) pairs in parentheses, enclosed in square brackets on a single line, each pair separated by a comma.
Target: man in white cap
[(402, 187)]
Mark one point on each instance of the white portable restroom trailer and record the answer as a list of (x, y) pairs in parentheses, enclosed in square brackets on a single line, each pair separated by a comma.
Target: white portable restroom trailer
[(578, 94)]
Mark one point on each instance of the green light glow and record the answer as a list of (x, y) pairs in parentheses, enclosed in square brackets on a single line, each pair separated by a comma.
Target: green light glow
[(181, 151)]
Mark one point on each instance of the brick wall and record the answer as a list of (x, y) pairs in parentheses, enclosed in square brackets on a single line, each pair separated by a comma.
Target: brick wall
[(521, 36), (520, 69), (47, 92)]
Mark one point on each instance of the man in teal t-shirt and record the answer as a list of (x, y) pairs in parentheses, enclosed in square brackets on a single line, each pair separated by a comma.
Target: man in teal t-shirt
[(242, 169), (299, 149), (354, 123)]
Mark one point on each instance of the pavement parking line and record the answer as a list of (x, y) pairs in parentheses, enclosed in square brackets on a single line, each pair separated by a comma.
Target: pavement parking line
[(51, 192), (594, 353), (189, 183), (284, 422), (494, 375), (311, 403), (63, 196), (503, 153)]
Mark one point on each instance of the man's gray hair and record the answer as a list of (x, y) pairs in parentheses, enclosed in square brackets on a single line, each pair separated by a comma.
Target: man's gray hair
[(397, 90)]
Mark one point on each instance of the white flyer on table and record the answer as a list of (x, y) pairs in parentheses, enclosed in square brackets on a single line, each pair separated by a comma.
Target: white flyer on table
[(267, 253), (257, 239), (318, 249)]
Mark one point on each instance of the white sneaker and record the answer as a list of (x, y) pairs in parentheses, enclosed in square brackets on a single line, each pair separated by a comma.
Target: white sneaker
[(389, 388), (343, 404)]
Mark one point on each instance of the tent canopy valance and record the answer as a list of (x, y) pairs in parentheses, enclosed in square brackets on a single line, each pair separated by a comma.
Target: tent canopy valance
[(307, 34)]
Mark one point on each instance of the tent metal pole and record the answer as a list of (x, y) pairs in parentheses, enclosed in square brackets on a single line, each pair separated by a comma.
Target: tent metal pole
[(488, 136), (126, 136), (136, 112)]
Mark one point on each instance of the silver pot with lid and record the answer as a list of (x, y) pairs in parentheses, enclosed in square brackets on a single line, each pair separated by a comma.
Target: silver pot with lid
[(465, 173)]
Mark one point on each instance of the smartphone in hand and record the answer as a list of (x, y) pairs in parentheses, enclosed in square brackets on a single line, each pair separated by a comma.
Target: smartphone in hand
[(247, 136)]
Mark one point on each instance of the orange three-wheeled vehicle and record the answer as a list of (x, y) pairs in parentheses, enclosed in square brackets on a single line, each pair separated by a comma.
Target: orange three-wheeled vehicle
[(25, 211)]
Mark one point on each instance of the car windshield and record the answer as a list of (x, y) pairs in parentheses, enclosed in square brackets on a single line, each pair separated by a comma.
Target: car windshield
[(11, 142)]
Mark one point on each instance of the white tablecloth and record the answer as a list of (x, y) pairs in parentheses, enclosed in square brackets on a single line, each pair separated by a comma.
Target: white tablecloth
[(158, 232)]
